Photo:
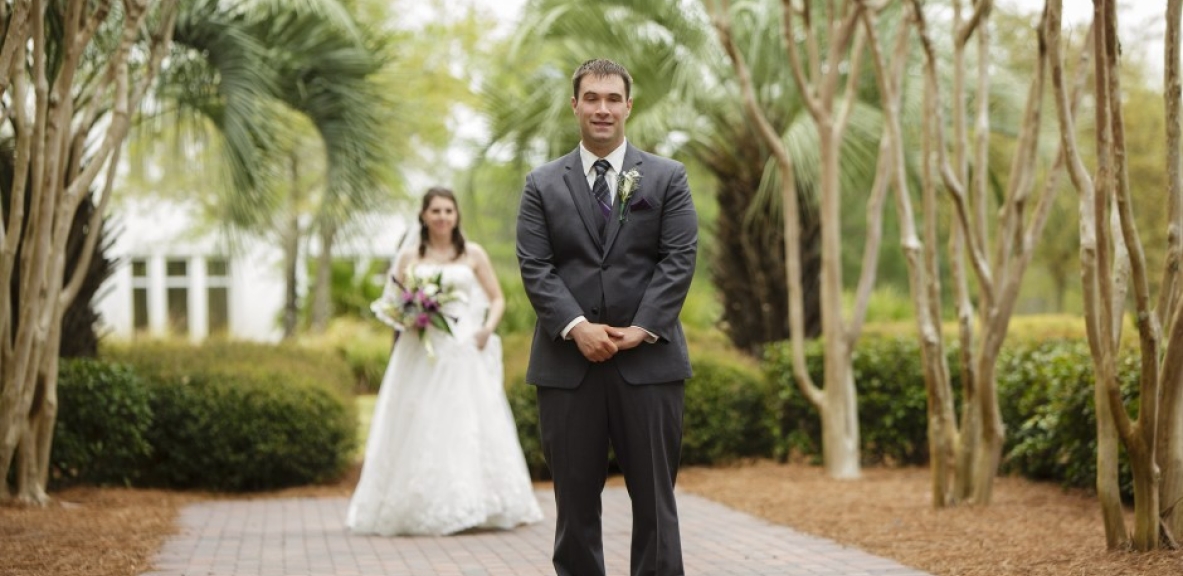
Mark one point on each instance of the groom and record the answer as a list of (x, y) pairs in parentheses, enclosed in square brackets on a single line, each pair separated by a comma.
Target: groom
[(606, 243)]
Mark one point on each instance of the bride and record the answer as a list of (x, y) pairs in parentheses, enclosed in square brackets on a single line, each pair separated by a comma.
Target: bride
[(443, 454)]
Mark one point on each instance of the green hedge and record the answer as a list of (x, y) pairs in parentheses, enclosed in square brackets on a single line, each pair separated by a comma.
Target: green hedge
[(238, 416), (1045, 394), (101, 433), (235, 416), (892, 401), (728, 411), (1046, 398), (243, 433)]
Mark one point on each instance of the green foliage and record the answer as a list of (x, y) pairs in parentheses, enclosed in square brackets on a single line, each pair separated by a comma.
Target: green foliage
[(101, 433), (728, 411), (887, 304), (247, 433), (703, 307), (1046, 395), (351, 293), (519, 314), (363, 344), (238, 416), (891, 400), (523, 402), (165, 360)]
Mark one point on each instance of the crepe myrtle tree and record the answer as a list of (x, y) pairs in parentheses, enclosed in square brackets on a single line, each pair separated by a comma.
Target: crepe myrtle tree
[(993, 237), (71, 73), (827, 77), (1113, 266)]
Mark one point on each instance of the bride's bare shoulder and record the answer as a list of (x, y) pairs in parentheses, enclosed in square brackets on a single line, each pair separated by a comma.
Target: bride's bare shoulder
[(474, 249)]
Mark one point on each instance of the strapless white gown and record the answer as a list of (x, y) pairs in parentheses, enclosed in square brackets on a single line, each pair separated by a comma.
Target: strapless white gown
[(443, 453)]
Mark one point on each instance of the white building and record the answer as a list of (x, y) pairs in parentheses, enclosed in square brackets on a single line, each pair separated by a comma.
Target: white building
[(177, 277)]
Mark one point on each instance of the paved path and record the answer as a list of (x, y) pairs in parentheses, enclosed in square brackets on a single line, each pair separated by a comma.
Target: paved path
[(306, 537)]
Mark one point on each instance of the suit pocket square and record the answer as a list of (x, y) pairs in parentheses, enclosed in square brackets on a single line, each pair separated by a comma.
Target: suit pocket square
[(640, 204)]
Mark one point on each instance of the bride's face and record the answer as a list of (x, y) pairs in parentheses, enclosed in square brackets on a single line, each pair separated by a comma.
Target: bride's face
[(440, 216)]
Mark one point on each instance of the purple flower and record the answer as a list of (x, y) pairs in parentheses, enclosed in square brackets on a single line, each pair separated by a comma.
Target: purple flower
[(422, 320)]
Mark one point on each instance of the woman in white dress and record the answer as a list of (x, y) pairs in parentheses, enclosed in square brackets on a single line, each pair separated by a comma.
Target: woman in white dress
[(443, 454)]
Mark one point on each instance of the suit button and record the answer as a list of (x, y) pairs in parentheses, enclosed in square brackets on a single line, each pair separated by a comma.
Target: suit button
[(605, 266), (595, 310)]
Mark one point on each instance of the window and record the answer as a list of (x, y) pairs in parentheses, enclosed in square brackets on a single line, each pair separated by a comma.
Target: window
[(139, 295), (177, 296), (218, 295)]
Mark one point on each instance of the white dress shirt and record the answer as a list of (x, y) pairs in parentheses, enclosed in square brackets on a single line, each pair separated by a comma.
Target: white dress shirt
[(615, 158)]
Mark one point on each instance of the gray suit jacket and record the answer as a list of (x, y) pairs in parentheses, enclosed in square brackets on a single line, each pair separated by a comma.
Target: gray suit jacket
[(637, 276)]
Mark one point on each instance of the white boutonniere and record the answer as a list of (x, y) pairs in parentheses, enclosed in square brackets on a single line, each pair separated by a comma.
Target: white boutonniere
[(626, 185)]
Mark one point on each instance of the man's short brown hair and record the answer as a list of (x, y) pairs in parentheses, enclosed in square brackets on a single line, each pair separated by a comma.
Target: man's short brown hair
[(601, 67)]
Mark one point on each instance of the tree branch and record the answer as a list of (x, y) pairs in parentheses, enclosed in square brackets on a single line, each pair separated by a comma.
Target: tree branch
[(721, 19)]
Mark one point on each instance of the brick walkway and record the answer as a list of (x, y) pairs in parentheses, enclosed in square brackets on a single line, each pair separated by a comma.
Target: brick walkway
[(306, 537)]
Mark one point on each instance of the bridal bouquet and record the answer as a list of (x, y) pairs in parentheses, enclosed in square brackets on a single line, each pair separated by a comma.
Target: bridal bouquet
[(418, 304)]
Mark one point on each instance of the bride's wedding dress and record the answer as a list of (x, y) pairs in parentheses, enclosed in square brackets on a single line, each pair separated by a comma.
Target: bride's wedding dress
[(443, 453)]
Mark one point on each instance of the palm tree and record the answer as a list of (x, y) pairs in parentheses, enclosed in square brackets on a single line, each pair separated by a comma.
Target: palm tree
[(246, 73), (687, 104)]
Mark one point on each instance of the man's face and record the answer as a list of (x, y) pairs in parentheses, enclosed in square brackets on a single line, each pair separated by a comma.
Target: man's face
[(602, 109)]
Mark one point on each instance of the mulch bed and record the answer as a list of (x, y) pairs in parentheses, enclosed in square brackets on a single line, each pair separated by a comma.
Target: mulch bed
[(1031, 529)]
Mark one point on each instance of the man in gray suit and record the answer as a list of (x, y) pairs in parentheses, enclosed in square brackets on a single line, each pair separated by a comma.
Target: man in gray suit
[(606, 242)]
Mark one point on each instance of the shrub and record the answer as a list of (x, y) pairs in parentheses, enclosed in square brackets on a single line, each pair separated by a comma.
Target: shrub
[(104, 414), (164, 360), (523, 402), (1046, 392), (728, 411), (519, 316), (239, 416), (242, 434), (892, 400), (364, 345)]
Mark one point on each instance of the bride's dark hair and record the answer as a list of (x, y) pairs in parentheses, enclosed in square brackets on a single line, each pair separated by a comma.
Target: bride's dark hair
[(457, 236)]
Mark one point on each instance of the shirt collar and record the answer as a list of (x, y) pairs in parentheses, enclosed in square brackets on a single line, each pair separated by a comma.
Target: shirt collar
[(615, 158)]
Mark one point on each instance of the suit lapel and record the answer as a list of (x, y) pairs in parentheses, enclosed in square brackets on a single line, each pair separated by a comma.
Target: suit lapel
[(580, 193), (632, 159)]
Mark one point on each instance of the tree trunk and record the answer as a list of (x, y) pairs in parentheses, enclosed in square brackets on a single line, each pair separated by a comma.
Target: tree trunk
[(1170, 432), (1146, 498), (989, 450), (322, 303), (291, 262), (290, 237), (1108, 483), (34, 245), (840, 427)]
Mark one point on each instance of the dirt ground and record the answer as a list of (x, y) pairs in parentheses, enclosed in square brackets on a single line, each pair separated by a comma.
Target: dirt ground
[(1031, 530)]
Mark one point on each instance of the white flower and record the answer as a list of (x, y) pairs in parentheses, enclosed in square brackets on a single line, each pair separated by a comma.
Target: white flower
[(626, 185)]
